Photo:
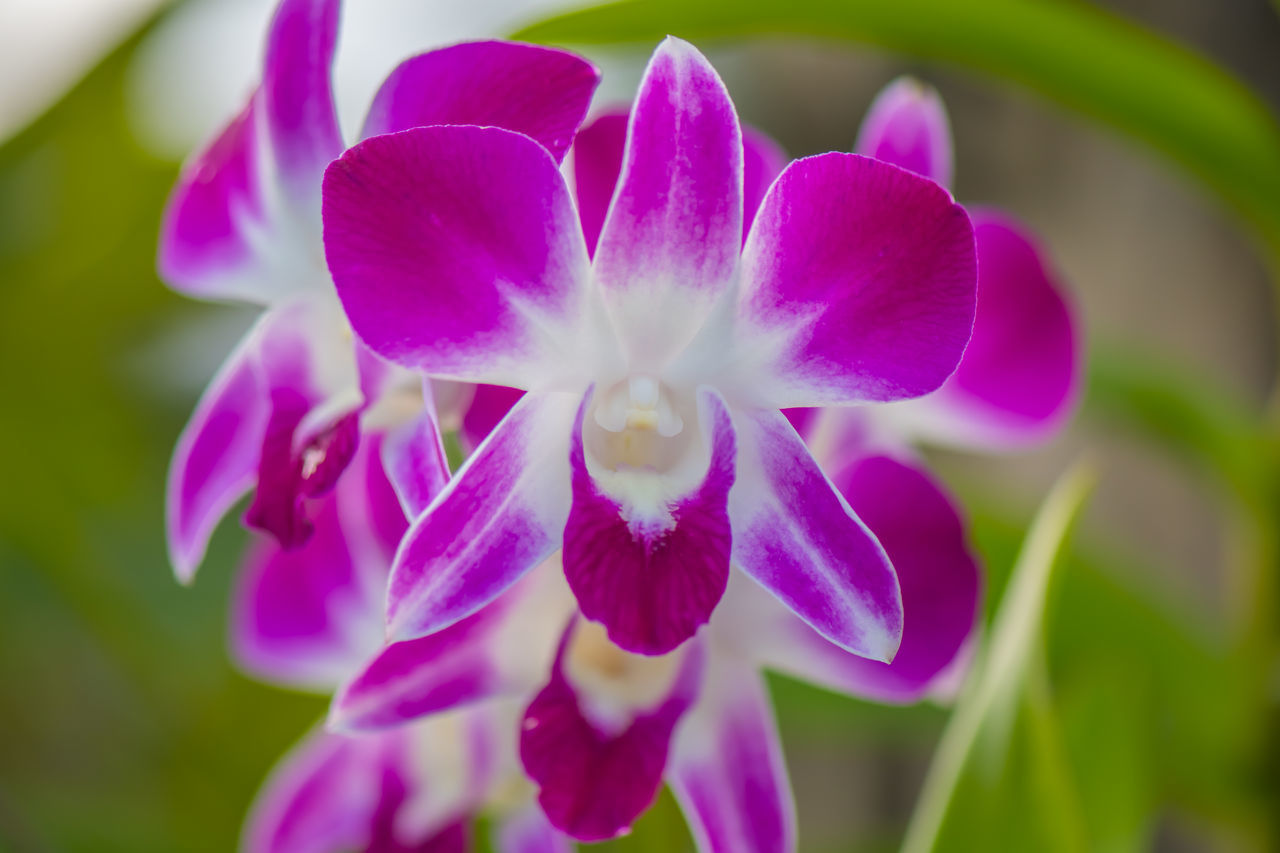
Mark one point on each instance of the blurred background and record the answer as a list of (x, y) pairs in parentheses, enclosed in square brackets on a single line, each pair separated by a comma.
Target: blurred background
[(124, 727)]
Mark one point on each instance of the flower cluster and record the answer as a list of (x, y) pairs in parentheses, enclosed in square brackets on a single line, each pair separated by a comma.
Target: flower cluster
[(686, 373)]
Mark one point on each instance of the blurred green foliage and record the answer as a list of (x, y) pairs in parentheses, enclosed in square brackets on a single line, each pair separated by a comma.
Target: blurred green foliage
[(1000, 773), (123, 726)]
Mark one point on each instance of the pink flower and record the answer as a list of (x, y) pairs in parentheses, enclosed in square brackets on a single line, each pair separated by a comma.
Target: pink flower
[(650, 447), (428, 733), (602, 728), (284, 414), (1019, 378)]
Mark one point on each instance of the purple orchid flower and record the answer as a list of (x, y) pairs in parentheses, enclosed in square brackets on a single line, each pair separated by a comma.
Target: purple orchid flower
[(1019, 379), (311, 617), (650, 447), (606, 727), (523, 681), (603, 728), (286, 410)]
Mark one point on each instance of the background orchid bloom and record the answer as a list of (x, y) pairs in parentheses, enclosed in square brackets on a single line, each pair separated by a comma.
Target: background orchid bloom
[(243, 223), (311, 617), (650, 446), (1017, 382), (603, 728)]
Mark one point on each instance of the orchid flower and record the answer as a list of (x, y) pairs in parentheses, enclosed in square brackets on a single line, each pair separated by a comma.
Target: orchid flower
[(605, 727), (311, 617), (1019, 378), (428, 733), (285, 411), (524, 699), (602, 728), (650, 450)]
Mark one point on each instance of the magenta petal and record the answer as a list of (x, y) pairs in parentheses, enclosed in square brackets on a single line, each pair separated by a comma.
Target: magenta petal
[(302, 122), (538, 91), (454, 838), (489, 405), (652, 582), (797, 537), (1019, 377), (727, 768), (672, 236), (456, 250), (763, 160), (310, 616), (413, 678), (528, 831), (907, 126), (299, 616), (862, 277), (499, 517), (322, 797), (940, 580), (277, 506), (216, 459), (293, 468), (204, 235), (415, 460), (592, 784), (597, 160), (334, 792), (326, 454)]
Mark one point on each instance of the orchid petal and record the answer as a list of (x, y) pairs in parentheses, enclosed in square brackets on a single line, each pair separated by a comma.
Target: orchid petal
[(413, 678), (246, 429), (415, 459), (907, 126), (858, 285), (492, 652), (796, 536), (1019, 378), (727, 769), (538, 91), (489, 405), (307, 617), (287, 475), (297, 97), (389, 792), (454, 838), (671, 239), (457, 250), (499, 517), (296, 613), (922, 533), (321, 797), (528, 831), (763, 160), (597, 160), (216, 459), (205, 247), (652, 576), (593, 784)]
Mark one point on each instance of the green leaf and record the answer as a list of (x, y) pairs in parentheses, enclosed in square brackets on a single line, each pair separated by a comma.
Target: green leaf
[(1000, 777), (1080, 56), (1137, 662)]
